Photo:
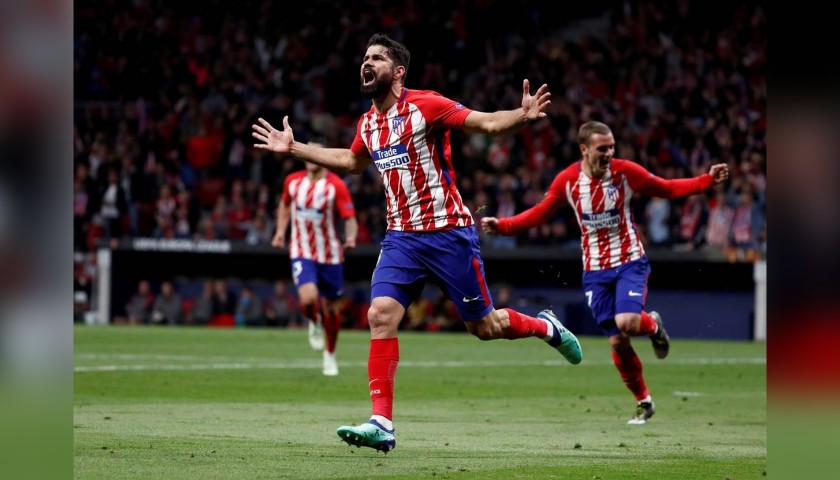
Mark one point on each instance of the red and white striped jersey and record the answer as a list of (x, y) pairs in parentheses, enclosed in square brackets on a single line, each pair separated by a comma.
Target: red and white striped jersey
[(602, 207), (410, 147), (314, 206)]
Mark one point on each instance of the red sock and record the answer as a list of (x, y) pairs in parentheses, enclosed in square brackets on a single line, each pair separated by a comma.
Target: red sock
[(647, 326), (310, 311), (383, 359), (630, 368), (522, 326), (331, 327)]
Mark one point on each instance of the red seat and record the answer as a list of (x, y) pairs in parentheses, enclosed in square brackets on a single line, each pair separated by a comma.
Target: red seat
[(222, 320), (187, 305)]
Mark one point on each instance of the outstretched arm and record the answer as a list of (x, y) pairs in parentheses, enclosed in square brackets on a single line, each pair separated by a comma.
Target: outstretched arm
[(534, 216), (647, 183), (719, 172), (283, 141), (507, 121)]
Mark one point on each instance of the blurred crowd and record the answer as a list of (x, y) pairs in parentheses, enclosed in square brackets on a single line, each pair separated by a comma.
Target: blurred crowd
[(230, 302), (165, 95), (215, 304)]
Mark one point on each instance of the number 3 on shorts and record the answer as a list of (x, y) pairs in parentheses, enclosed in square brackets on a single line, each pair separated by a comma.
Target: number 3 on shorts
[(297, 268)]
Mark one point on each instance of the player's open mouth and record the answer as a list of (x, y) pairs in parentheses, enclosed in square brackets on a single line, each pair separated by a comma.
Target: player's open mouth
[(368, 76)]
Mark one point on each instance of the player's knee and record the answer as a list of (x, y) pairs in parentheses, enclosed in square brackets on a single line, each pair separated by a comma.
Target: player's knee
[(483, 334), (376, 316), (308, 294), (380, 318), (485, 330), (628, 322), (620, 343)]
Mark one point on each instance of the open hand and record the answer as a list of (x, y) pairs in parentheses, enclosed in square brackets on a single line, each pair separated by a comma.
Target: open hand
[(279, 141), (535, 105)]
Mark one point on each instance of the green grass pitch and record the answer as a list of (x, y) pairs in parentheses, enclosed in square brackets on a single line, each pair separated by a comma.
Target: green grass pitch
[(196, 403)]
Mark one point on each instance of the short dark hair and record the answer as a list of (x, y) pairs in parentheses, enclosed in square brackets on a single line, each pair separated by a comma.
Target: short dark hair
[(399, 54), (591, 128)]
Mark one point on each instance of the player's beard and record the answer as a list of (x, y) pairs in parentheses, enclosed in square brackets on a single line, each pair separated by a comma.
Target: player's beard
[(379, 87)]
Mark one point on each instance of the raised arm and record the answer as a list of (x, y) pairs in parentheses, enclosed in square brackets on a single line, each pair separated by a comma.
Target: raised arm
[(508, 121), (283, 141)]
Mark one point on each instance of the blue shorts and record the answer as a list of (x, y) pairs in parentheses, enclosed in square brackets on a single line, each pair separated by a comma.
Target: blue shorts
[(450, 258), (616, 290), (328, 278)]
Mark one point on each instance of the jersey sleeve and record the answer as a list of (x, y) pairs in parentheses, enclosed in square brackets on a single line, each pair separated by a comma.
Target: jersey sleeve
[(539, 213), (646, 183), (343, 200), (441, 111), (286, 197), (358, 146)]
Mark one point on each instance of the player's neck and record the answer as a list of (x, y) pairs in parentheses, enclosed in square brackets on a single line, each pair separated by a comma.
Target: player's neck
[(385, 102), (587, 169)]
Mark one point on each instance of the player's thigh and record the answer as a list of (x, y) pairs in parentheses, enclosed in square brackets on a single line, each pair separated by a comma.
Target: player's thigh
[(459, 270), (631, 286), (398, 274), (330, 280), (304, 271), (305, 277), (599, 290), (307, 293)]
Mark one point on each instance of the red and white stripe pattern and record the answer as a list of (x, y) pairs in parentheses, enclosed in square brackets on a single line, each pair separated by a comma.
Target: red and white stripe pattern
[(410, 146), (602, 207), (314, 209)]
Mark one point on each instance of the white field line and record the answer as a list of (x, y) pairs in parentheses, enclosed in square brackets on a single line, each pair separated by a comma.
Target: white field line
[(681, 393), (313, 364)]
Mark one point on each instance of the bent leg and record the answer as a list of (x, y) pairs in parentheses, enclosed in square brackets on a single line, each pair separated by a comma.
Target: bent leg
[(629, 365), (508, 323), (309, 304), (332, 324), (630, 296), (636, 324)]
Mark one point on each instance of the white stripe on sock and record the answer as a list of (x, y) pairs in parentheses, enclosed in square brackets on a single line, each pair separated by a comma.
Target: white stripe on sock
[(383, 421), (549, 331)]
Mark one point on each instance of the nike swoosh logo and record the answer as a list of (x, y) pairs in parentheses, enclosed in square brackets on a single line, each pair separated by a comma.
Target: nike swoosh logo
[(468, 300), (634, 294)]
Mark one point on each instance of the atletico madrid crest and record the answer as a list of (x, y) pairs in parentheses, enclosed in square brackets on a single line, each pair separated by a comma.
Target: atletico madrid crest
[(398, 124)]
